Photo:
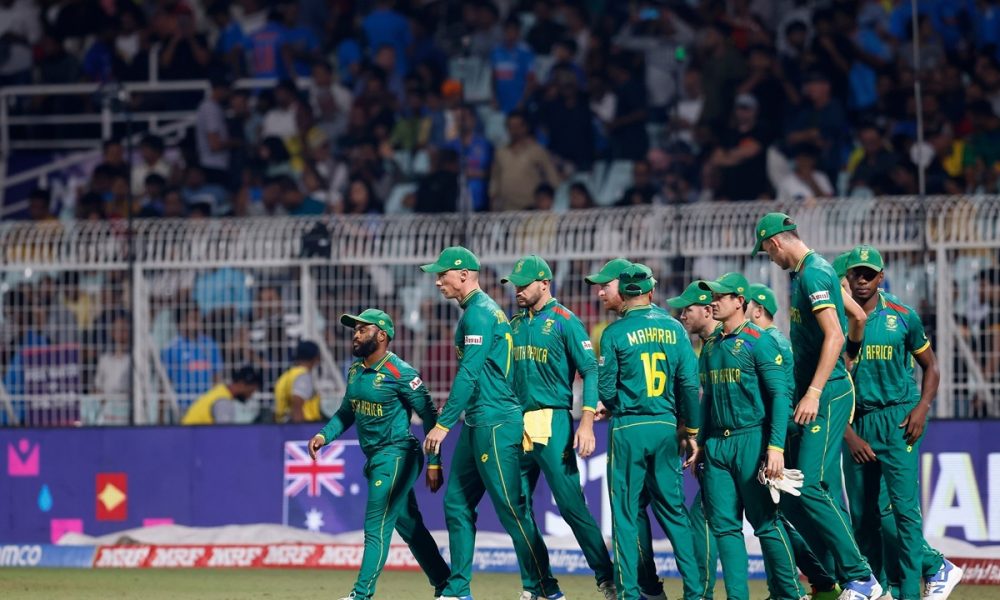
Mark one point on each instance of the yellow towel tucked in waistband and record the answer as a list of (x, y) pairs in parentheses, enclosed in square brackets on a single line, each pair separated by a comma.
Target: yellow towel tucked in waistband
[(537, 428)]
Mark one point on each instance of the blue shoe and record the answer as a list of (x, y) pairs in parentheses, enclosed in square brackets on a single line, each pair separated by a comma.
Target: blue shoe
[(868, 589), (940, 585), (556, 596)]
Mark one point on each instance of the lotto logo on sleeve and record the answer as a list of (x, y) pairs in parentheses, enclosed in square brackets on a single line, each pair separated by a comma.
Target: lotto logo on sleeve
[(473, 340), (819, 296), (416, 383), (587, 345)]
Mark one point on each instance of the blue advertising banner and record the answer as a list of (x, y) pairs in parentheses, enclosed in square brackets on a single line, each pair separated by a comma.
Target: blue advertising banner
[(101, 480)]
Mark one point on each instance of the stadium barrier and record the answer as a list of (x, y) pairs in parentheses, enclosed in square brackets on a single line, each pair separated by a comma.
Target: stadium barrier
[(256, 286)]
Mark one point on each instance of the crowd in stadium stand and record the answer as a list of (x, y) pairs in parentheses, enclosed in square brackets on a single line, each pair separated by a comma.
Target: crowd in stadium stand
[(586, 100)]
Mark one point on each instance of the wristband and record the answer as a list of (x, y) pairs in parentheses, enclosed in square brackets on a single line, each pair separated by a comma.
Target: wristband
[(853, 348), (816, 389)]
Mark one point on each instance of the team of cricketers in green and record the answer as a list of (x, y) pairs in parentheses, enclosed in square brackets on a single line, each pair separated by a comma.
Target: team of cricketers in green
[(764, 422)]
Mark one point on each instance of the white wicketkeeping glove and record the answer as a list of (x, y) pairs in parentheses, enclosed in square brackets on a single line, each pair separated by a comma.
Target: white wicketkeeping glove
[(789, 483)]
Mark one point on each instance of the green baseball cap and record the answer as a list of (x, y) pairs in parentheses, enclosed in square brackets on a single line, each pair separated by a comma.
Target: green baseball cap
[(864, 256), (729, 283), (529, 269), (692, 295), (636, 280), (371, 316), (763, 295), (840, 265), (452, 258), (770, 225), (609, 272)]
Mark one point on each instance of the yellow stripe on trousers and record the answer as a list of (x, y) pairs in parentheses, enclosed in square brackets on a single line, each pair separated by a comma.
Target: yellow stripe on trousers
[(496, 458)]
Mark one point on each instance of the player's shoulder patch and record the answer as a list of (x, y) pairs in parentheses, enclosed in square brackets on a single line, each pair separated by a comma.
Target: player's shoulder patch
[(752, 332), (473, 340), (415, 383), (819, 296), (587, 345), (392, 369), (897, 307), (562, 312)]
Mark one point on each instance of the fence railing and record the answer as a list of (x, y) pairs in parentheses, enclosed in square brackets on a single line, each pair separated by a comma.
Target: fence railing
[(198, 299)]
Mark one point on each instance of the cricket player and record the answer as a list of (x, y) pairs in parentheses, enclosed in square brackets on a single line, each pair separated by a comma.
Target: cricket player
[(762, 307), (826, 397), (745, 416), (648, 382), (487, 455), (550, 347), (606, 280), (382, 392), (884, 443), (696, 317)]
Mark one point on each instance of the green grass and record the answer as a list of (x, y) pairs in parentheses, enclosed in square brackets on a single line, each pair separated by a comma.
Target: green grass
[(311, 584)]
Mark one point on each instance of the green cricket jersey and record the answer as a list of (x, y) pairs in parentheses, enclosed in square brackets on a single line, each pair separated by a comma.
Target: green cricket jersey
[(744, 382), (787, 358), (550, 347), (485, 348), (381, 399), (894, 334), (814, 287), (648, 367)]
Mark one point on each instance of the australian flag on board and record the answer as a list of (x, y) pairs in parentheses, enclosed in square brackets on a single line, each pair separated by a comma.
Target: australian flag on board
[(327, 494)]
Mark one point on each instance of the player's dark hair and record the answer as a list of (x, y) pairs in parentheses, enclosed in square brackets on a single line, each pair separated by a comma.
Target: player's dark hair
[(306, 351)]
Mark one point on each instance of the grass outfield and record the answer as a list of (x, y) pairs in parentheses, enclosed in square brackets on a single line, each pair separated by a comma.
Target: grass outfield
[(307, 584)]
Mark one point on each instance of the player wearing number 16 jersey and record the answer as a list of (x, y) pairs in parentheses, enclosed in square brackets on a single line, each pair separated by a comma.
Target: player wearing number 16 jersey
[(648, 380), (487, 457)]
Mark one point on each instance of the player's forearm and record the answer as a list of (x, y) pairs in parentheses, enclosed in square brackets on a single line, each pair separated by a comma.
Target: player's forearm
[(833, 345), (780, 400), (929, 384), (336, 426), (690, 408)]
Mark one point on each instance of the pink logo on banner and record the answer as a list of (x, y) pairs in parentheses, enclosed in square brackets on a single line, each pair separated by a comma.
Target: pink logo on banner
[(22, 460), (156, 522), (60, 527)]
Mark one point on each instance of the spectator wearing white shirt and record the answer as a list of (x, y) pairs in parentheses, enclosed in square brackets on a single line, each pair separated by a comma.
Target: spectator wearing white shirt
[(805, 182), (114, 372), (285, 119), (690, 106), (212, 134), (330, 100), (20, 29), (151, 150)]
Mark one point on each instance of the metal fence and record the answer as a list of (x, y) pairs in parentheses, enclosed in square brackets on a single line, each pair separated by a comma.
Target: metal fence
[(199, 298)]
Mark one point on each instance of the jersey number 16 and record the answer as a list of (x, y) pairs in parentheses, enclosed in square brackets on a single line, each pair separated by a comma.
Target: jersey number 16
[(656, 379)]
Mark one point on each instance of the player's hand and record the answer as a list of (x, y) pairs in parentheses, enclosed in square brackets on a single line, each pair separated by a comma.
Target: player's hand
[(584, 441), (434, 478), (860, 450), (693, 452), (432, 443), (914, 424), (601, 412), (774, 464), (807, 408), (317, 442)]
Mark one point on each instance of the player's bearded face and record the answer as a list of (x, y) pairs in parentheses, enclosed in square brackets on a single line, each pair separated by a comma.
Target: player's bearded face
[(364, 343), (608, 293), (529, 295)]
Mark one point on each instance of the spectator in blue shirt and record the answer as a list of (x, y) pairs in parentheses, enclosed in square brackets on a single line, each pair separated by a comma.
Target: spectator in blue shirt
[(475, 156), (384, 26), (299, 45), (821, 121), (192, 360), (511, 61), (265, 48), (869, 40), (231, 45)]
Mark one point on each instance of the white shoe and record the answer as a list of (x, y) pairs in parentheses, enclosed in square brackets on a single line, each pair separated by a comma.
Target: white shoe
[(941, 584), (608, 589), (861, 590), (887, 596), (526, 595)]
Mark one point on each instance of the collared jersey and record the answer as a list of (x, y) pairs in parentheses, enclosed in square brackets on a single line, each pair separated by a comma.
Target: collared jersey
[(815, 287), (894, 334), (550, 348), (283, 392), (485, 348), (744, 382), (200, 412), (648, 367), (380, 399)]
